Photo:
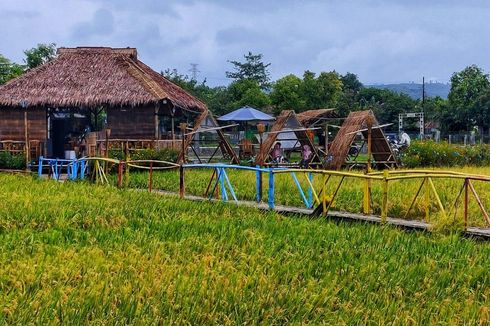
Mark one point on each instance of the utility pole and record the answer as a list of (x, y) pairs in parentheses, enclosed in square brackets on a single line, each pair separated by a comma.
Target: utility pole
[(423, 102), (194, 71)]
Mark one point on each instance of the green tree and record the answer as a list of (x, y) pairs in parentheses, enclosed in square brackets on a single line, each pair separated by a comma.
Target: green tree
[(323, 91), (351, 87), (467, 86), (286, 94), (247, 92), (253, 68), (350, 82), (40, 54), (9, 70)]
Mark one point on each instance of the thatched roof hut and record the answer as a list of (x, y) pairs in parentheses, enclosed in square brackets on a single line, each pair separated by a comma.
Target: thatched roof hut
[(138, 102), (313, 117), (95, 76), (358, 122)]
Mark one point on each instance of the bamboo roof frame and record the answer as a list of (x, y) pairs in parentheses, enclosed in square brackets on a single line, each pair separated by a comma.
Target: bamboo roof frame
[(357, 122), (287, 119)]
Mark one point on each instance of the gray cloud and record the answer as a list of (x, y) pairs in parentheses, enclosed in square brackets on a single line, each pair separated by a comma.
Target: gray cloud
[(380, 40)]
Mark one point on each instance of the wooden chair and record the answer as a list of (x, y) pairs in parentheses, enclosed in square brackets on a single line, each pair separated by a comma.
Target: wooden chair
[(246, 149)]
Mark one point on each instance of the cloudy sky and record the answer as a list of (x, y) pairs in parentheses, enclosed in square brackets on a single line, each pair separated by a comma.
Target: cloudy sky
[(382, 41)]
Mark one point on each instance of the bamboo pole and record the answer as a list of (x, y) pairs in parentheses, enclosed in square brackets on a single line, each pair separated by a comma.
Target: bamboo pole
[(181, 181), (384, 203), (466, 182), (150, 178), (26, 135)]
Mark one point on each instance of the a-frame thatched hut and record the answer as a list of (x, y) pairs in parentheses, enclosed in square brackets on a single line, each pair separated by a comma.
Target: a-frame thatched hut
[(72, 93), (360, 121), (286, 122)]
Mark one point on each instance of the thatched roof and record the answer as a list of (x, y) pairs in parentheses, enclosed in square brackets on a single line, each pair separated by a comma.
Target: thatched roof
[(95, 76), (287, 119), (358, 121), (311, 117)]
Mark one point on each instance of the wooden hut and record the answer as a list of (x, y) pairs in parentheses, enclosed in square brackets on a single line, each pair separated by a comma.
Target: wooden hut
[(48, 107), (286, 122), (361, 122)]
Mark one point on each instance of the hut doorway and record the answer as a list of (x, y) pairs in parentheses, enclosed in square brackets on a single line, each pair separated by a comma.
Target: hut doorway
[(66, 131)]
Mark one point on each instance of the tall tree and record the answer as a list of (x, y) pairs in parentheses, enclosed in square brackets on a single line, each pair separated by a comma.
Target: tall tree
[(466, 87), (9, 70), (40, 54), (247, 92), (286, 94), (253, 68)]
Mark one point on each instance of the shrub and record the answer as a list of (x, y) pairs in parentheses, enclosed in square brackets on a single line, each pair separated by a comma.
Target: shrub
[(432, 154), (12, 161)]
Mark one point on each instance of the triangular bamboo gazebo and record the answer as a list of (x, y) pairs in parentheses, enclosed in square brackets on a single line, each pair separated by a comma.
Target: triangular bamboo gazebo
[(378, 147), (286, 122)]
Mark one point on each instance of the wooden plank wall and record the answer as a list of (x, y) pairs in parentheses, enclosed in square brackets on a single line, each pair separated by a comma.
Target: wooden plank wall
[(12, 124), (132, 123)]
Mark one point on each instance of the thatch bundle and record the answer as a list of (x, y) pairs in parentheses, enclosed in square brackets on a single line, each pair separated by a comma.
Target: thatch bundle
[(312, 117), (95, 76), (358, 121)]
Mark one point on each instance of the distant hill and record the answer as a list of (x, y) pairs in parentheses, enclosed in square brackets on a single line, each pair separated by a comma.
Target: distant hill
[(415, 90)]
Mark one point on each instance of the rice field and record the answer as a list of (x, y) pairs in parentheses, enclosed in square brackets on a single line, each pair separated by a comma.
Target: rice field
[(349, 197), (80, 253)]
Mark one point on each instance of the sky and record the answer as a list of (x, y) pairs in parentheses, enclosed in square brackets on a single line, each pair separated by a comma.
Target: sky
[(382, 41)]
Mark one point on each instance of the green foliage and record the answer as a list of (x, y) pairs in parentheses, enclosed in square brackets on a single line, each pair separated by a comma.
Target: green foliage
[(247, 92), (467, 87), (9, 70), (386, 104), (12, 161), (432, 154), (286, 94), (40, 54), (167, 154), (76, 253), (252, 69)]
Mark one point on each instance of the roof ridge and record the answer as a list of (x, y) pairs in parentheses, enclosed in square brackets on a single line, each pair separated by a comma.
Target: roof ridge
[(141, 75)]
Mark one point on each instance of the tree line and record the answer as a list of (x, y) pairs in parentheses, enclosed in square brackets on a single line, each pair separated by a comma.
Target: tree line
[(466, 108)]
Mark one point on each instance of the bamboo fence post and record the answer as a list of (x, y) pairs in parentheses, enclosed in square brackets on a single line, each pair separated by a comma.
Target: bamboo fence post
[(427, 200), (367, 196), (119, 174), (26, 135), (466, 181), (181, 181), (150, 177), (384, 203)]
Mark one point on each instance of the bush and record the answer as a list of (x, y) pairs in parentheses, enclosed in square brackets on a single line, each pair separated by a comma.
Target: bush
[(167, 154), (432, 154), (12, 161)]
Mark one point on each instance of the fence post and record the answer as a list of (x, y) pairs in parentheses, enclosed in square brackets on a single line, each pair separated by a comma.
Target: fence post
[(119, 174), (366, 209), (182, 180), (40, 167), (427, 200), (310, 190), (271, 189), (258, 184), (466, 182), (82, 169), (384, 203), (150, 178)]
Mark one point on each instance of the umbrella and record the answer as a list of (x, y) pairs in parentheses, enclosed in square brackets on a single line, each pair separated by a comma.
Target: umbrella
[(246, 113)]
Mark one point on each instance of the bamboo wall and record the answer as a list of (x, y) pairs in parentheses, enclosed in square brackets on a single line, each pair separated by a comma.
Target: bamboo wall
[(12, 124), (131, 123)]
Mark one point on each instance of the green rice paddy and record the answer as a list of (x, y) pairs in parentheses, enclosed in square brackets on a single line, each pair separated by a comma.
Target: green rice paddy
[(79, 253)]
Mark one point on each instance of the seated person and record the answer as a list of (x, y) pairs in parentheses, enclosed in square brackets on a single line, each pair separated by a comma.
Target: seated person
[(277, 154), (306, 156)]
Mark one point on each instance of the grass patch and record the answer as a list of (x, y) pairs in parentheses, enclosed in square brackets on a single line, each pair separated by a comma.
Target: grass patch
[(77, 253)]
